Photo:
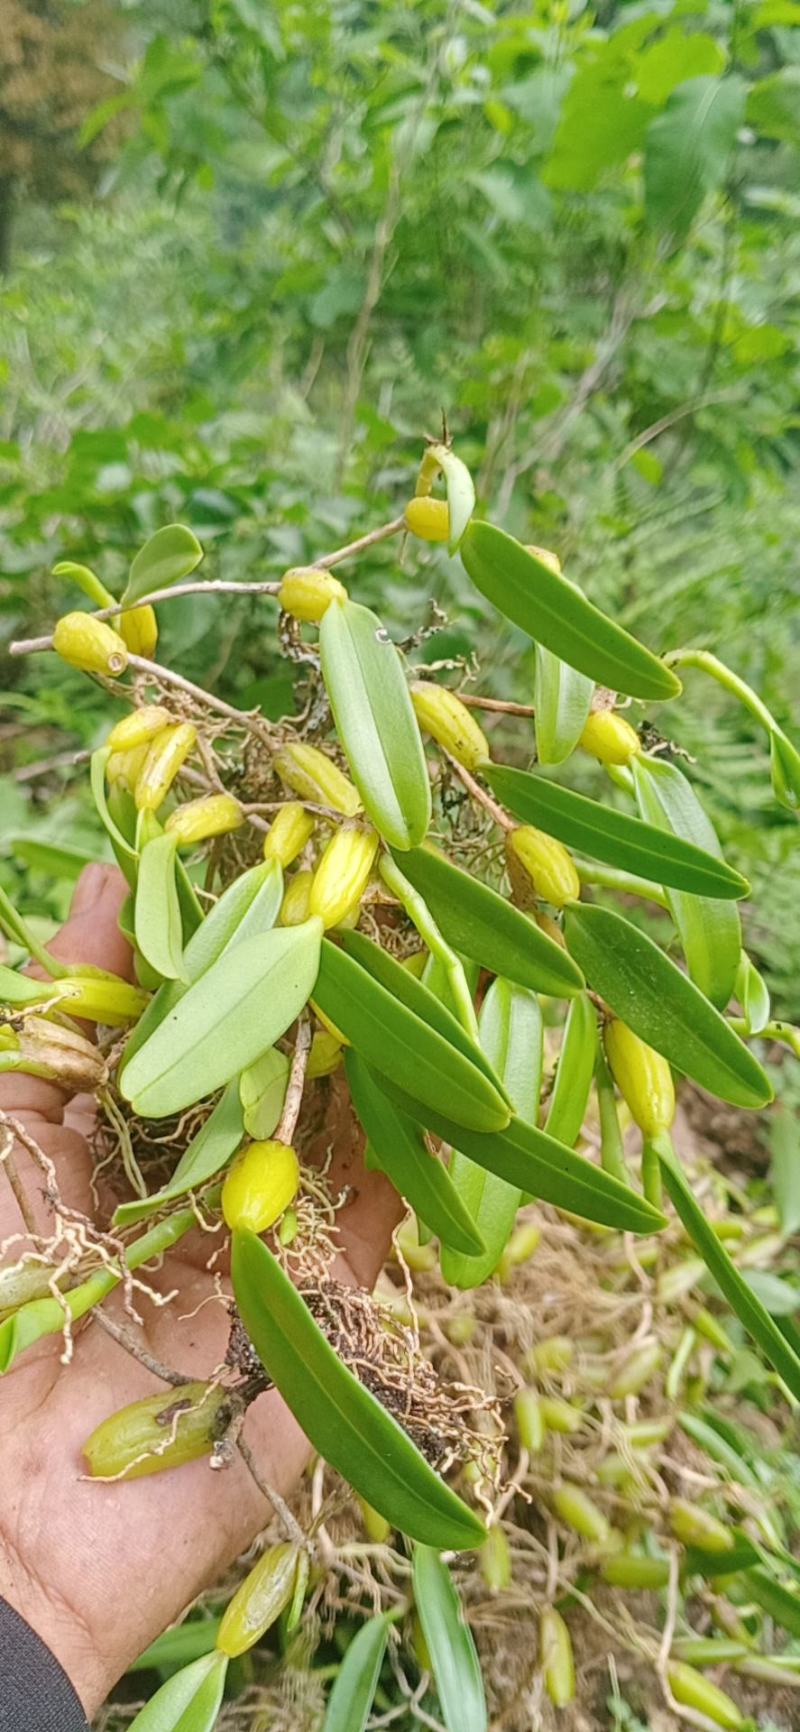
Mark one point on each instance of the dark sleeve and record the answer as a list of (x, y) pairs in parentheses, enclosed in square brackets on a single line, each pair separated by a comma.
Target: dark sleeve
[(35, 1693)]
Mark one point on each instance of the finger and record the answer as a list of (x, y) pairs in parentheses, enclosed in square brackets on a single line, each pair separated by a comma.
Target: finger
[(91, 934)]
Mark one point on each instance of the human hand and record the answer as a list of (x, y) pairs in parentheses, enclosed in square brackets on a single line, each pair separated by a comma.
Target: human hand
[(99, 1570)]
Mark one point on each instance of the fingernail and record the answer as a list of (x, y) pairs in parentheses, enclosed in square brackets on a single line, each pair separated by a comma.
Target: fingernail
[(88, 888)]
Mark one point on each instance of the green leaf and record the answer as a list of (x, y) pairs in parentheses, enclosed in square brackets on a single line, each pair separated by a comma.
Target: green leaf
[(18, 989), (246, 909), (643, 987), (398, 1146), (125, 853), (535, 1163), (356, 1681), (86, 580), (187, 1641), (709, 927), (742, 1300), (574, 1072), (341, 1419), (262, 1090), (483, 925), (674, 58), (157, 918), (172, 553), (189, 1701), (555, 613), (784, 1142), (687, 150), (784, 760), (562, 699), (454, 1660), (460, 492), (781, 1604), (753, 994), (511, 1031), (773, 105), (205, 1155), (606, 834), (401, 1046), (365, 680), (602, 122), (53, 858), (229, 1016), (418, 997)]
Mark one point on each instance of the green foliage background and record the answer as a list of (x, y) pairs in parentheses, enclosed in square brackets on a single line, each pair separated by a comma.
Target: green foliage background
[(572, 228)]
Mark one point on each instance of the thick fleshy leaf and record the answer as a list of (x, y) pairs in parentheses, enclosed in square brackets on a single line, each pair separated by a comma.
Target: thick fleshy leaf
[(780, 1603), (574, 1072), (460, 492), (606, 834), (535, 1163), (205, 1155), (398, 1044), (124, 851), (643, 987), (262, 1091), (234, 1011), (172, 553), (365, 680), (158, 927), (189, 1701), (341, 1419), (356, 1681), (482, 924), (710, 929), (454, 1660), (562, 699), (753, 994), (419, 998), (748, 1308), (18, 989), (554, 612), (247, 908), (398, 1146), (511, 1030)]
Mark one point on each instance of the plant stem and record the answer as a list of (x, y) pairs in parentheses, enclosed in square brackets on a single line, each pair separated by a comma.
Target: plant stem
[(501, 706), (613, 878), (418, 911), (478, 793), (786, 1032), (612, 1151), (711, 664), (297, 1077)]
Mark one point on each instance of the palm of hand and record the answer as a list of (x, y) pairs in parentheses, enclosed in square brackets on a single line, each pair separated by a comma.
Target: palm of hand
[(100, 1569)]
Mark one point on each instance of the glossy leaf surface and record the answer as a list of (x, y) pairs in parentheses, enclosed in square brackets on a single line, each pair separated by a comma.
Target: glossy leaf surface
[(189, 1701), (342, 1420), (562, 699), (248, 907), (366, 683), (356, 1681), (483, 925), (656, 1000), (398, 1145), (454, 1660), (157, 912), (748, 1308), (574, 1072), (398, 1044), (606, 834), (235, 1011), (172, 553), (557, 614), (710, 929), (510, 1027)]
